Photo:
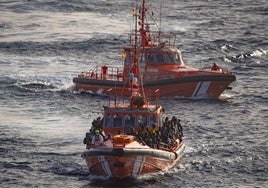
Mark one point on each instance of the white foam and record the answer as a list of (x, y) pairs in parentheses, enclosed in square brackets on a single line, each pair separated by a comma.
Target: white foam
[(225, 96), (259, 53), (68, 87)]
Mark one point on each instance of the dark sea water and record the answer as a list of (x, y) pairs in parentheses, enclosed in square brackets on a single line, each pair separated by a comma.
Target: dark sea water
[(45, 43)]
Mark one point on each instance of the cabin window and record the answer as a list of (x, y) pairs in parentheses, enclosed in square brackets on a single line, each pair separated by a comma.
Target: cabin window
[(129, 56), (152, 119), (127, 60), (117, 121), (169, 58), (160, 58), (130, 120), (163, 57), (177, 58), (142, 58), (108, 121), (142, 120), (150, 57)]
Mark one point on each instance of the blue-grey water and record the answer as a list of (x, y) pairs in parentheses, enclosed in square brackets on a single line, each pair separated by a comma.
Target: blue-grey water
[(45, 43)]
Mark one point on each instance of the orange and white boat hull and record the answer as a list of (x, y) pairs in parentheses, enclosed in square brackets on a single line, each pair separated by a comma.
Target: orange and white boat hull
[(122, 162), (185, 88)]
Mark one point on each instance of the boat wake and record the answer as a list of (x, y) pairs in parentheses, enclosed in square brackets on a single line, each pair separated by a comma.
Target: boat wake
[(199, 97), (67, 87), (68, 169), (256, 53), (98, 181), (247, 56), (37, 86), (148, 179), (225, 96), (259, 53), (30, 85), (227, 48)]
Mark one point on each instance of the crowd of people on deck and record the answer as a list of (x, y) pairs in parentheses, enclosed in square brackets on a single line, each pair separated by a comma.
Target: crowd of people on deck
[(95, 136), (163, 137)]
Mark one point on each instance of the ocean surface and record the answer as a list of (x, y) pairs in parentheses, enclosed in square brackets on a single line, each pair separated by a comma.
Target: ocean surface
[(43, 120)]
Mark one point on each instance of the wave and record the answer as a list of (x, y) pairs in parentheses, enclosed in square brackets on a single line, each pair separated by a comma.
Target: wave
[(256, 53), (244, 57), (38, 86), (228, 48), (67, 169), (67, 87), (66, 6), (85, 47), (63, 6), (22, 84), (17, 165), (32, 87), (259, 53), (5, 80), (225, 96), (54, 154)]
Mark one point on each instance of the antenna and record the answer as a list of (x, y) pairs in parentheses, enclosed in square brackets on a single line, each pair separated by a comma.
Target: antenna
[(160, 19)]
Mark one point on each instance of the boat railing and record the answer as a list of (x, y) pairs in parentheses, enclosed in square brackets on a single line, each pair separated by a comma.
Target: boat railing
[(222, 70), (116, 73), (104, 73), (159, 38), (156, 38)]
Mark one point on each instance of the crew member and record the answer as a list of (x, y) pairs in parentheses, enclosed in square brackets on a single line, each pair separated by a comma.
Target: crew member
[(104, 71), (215, 67), (88, 138), (97, 139)]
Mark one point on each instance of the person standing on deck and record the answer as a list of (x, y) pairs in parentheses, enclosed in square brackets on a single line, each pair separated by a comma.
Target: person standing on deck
[(97, 139)]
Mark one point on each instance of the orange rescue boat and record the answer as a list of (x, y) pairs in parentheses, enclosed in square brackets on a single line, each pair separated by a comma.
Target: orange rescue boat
[(161, 66), (131, 148)]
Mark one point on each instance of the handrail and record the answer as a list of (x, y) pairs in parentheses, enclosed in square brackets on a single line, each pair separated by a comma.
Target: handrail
[(101, 73)]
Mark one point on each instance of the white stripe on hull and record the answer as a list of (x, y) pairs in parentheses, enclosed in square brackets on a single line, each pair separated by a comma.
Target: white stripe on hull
[(105, 165), (204, 88), (137, 165), (196, 89), (201, 88)]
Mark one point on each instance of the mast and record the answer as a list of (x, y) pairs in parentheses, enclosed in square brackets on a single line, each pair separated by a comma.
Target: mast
[(140, 34), (144, 37), (135, 65), (161, 5)]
